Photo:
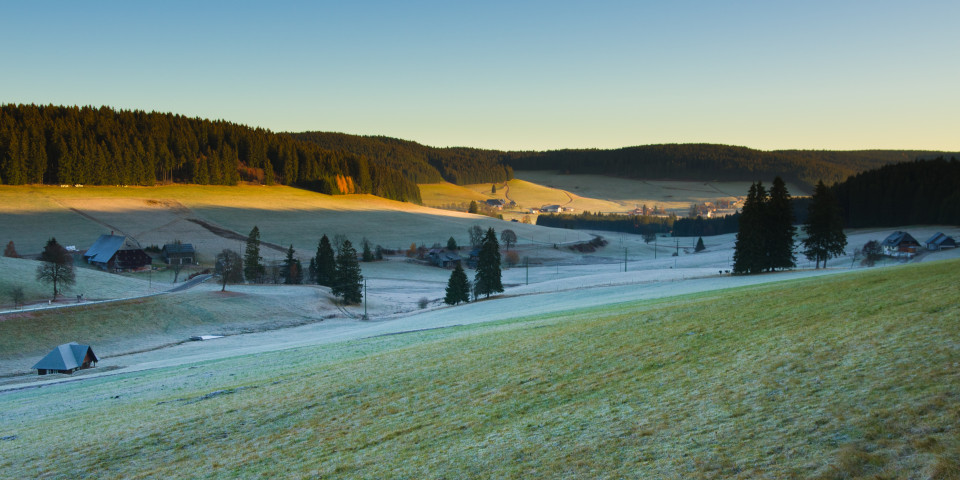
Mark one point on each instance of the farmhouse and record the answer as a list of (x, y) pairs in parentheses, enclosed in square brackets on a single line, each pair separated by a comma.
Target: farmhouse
[(939, 241), (67, 358), (899, 244), (117, 252), (551, 209), (496, 203), (179, 254), (474, 258), (443, 257)]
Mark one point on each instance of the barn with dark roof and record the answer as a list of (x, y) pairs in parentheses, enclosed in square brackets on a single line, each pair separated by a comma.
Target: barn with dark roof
[(899, 244), (117, 252), (67, 358)]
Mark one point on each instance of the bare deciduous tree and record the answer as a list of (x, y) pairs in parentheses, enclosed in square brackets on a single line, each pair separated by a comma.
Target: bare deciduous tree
[(508, 237)]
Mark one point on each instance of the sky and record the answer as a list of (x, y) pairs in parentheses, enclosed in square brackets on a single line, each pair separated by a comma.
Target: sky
[(518, 75)]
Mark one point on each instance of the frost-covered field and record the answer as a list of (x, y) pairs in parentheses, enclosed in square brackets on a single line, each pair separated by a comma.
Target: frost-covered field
[(562, 281), (841, 376)]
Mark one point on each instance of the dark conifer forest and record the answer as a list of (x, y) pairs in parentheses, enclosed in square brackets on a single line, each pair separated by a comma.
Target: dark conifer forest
[(103, 146), (418, 162), (918, 192), (706, 162)]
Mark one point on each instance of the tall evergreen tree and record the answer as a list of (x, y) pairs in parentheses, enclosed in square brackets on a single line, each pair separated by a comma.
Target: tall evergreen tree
[(750, 247), (458, 287), (253, 269), (824, 227), (779, 228), (700, 247), (349, 281), (488, 266), (367, 254), (326, 263)]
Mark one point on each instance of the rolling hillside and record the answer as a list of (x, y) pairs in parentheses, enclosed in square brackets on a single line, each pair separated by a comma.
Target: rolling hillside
[(809, 381)]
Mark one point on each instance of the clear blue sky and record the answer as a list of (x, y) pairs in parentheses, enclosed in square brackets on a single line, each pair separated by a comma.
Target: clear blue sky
[(510, 75)]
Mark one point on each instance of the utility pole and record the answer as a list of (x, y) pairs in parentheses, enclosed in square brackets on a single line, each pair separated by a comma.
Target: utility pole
[(526, 265), (655, 238), (364, 298), (624, 260)]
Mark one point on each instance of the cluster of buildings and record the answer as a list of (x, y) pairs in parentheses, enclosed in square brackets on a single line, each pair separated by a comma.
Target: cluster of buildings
[(115, 253), (902, 245)]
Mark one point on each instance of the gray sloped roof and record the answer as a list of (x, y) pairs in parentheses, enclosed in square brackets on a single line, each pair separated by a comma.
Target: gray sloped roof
[(106, 246), (898, 237), (65, 357), (178, 248), (940, 239)]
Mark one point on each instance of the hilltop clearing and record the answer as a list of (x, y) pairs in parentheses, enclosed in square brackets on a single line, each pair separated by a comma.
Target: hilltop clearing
[(832, 377)]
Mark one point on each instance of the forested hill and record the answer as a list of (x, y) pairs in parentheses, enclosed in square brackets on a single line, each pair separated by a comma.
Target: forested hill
[(714, 162), (103, 146), (420, 163), (911, 193)]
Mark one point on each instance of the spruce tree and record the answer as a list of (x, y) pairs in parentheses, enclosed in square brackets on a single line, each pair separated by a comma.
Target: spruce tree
[(458, 287), (488, 266), (325, 263), (699, 247), (367, 254), (824, 227), (749, 249), (779, 228), (253, 269), (349, 281)]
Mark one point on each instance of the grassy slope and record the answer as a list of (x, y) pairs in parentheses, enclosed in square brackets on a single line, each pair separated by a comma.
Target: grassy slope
[(851, 376), (154, 321), (445, 194), (93, 284), (284, 215)]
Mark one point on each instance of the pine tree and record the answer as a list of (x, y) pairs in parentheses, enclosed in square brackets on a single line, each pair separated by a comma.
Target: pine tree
[(349, 281), (473, 208), (367, 254), (824, 227), (312, 270), (488, 266), (253, 269), (458, 287), (749, 250), (326, 263), (779, 228), (699, 247), (451, 244)]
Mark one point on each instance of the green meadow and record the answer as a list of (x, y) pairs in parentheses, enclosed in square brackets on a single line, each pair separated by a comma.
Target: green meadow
[(847, 376)]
